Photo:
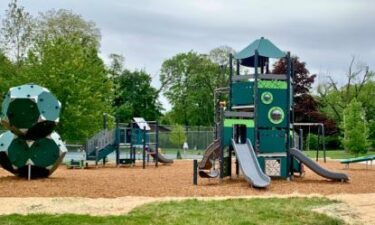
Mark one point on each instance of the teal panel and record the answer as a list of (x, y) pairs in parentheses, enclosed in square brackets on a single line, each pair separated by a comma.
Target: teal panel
[(297, 166), (279, 100), (227, 166), (284, 168), (243, 93), (262, 164), (137, 136), (272, 141)]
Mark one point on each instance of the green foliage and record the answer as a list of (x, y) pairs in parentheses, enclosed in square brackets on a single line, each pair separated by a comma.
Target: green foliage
[(62, 23), (177, 135), (17, 31), (136, 97), (188, 82), (232, 211), (355, 129), (63, 57), (336, 154), (311, 142), (7, 73)]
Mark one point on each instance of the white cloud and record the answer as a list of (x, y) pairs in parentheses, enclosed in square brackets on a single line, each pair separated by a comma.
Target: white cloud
[(323, 33)]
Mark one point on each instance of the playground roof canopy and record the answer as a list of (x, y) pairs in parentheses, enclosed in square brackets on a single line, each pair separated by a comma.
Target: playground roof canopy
[(141, 123), (265, 48)]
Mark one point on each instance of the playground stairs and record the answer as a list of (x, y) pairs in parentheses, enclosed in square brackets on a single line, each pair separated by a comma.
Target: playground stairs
[(101, 145)]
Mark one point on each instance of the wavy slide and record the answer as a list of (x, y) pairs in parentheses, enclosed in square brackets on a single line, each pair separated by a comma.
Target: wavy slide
[(249, 165), (212, 152), (161, 157), (317, 168)]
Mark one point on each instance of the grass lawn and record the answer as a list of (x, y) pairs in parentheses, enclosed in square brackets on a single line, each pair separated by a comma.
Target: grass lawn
[(335, 154), (273, 211)]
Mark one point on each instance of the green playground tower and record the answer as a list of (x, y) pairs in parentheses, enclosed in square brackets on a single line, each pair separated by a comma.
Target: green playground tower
[(257, 122), (259, 110)]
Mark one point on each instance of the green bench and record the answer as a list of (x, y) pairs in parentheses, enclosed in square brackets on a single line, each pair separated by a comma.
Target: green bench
[(358, 159)]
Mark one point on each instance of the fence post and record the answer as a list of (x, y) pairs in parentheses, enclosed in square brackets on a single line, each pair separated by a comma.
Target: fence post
[(156, 143)]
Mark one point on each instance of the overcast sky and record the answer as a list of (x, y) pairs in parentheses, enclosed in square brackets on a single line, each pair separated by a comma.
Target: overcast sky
[(324, 34)]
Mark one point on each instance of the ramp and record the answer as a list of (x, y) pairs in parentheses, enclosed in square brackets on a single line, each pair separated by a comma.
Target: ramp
[(249, 165), (316, 167)]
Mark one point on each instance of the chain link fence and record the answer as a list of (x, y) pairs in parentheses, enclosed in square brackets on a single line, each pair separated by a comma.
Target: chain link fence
[(198, 138)]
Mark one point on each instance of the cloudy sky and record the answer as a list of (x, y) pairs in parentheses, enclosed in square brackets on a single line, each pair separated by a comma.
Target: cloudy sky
[(325, 34)]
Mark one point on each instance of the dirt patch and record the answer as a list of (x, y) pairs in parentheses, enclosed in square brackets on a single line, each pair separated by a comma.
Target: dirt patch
[(354, 209), (99, 206), (175, 180)]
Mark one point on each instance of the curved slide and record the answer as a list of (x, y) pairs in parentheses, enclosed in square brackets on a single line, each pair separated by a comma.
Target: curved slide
[(205, 164), (316, 167), (211, 150), (250, 166), (161, 157)]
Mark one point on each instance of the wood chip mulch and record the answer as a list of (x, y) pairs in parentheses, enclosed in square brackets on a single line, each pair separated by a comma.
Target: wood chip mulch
[(175, 180)]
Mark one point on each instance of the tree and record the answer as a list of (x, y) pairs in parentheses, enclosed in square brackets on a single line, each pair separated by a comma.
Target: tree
[(220, 56), (306, 108), (359, 85), (7, 73), (16, 31), (335, 98), (136, 97), (355, 129), (177, 135), (64, 23), (70, 67), (188, 82)]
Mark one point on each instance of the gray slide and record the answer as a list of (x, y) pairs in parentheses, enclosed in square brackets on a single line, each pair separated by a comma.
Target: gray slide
[(249, 165), (161, 157), (316, 167)]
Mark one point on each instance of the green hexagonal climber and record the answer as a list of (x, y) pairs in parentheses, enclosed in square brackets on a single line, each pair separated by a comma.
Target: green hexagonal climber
[(31, 148), (30, 111)]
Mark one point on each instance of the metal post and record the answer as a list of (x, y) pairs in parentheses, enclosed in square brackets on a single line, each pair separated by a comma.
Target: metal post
[(104, 127), (256, 100), (230, 80), (156, 143), (237, 166), (144, 148), (318, 146), (221, 143), (324, 143), (117, 140), (237, 67), (195, 175), (29, 171), (289, 157), (300, 139)]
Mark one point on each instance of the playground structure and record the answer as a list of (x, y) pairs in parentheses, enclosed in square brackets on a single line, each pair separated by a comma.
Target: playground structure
[(366, 159), (257, 124), (30, 148), (135, 136)]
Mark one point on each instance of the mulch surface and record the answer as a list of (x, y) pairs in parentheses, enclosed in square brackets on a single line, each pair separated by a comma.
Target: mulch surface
[(175, 180)]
